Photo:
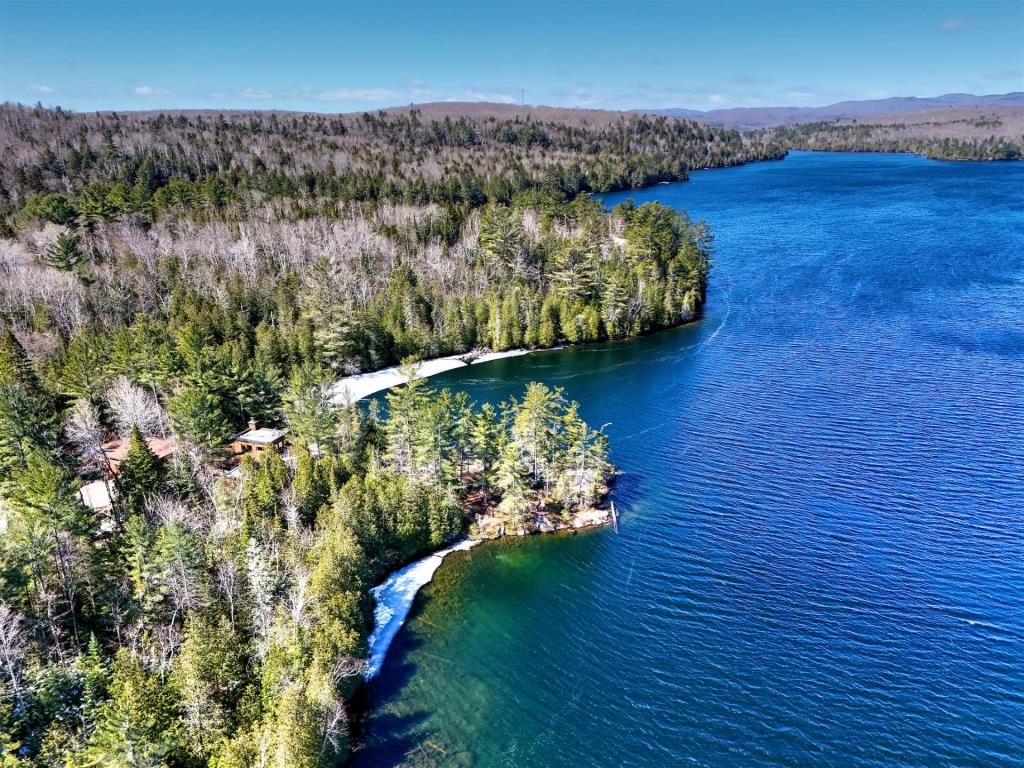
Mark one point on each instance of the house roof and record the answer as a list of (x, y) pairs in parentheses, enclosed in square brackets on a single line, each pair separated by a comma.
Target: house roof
[(95, 495), (161, 446), (261, 436)]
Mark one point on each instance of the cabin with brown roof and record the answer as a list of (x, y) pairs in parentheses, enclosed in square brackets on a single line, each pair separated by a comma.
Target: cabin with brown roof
[(115, 450), (258, 441)]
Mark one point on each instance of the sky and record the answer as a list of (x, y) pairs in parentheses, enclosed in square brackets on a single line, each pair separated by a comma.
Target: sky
[(340, 57)]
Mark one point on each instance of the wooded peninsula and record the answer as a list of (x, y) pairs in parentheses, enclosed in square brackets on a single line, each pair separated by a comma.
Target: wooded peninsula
[(191, 524)]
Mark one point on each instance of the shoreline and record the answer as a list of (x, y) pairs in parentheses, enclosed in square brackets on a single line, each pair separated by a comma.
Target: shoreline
[(394, 597), (358, 386), (351, 389)]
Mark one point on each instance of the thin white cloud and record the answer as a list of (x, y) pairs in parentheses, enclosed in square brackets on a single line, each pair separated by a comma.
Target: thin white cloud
[(800, 95), (716, 98), (252, 93), (145, 90), (954, 24), (358, 94), (497, 98), (581, 97), (41, 88), (1016, 75)]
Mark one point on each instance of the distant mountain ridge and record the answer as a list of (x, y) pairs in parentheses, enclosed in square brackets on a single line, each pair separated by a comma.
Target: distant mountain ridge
[(748, 118)]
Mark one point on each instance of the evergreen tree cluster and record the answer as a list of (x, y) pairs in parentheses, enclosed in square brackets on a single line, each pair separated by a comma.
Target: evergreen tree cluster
[(216, 329), (207, 620)]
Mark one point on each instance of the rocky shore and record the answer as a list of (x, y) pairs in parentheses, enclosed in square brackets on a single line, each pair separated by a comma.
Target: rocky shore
[(540, 517)]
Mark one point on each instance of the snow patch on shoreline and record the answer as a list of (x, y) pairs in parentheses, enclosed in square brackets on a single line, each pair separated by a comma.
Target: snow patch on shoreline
[(352, 388), (394, 598)]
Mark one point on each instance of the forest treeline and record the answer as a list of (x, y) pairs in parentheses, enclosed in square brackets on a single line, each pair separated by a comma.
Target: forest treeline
[(168, 278), (109, 165), (938, 141)]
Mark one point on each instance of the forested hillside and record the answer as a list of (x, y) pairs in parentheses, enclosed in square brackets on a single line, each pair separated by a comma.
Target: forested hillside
[(348, 243), (167, 279), (941, 134), (212, 618), (226, 164)]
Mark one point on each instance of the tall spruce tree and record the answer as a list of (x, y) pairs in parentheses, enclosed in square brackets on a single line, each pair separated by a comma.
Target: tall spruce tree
[(140, 476)]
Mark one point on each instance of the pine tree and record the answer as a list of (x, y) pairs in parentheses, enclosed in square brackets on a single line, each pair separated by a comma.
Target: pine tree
[(486, 446), (140, 475), (197, 416), (547, 330), (308, 409), (83, 367), (209, 676), (263, 482), (310, 486), (28, 415), (444, 516), (403, 429), (296, 730), (575, 273), (534, 425), (258, 391), (52, 537), (615, 306), (137, 549), (136, 727), (95, 677), (500, 236), (64, 254), (510, 334), (512, 479), (461, 428)]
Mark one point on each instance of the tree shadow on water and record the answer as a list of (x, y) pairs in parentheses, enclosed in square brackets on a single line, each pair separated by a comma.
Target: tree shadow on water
[(626, 490), (383, 735)]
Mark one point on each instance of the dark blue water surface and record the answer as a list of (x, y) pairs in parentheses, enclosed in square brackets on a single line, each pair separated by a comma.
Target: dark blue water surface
[(821, 552)]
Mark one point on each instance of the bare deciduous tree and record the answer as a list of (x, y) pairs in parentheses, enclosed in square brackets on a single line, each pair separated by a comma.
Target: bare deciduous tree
[(132, 406), (85, 431), (228, 581), (169, 509), (13, 644)]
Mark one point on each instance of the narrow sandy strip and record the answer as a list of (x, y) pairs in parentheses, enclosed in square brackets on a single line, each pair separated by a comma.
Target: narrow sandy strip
[(394, 599), (352, 388)]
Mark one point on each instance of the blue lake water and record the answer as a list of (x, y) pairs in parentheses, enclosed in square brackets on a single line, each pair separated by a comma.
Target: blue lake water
[(821, 552)]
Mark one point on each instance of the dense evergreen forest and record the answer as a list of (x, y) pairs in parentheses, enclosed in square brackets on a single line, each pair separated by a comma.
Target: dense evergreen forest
[(167, 279), (207, 619), (938, 141)]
